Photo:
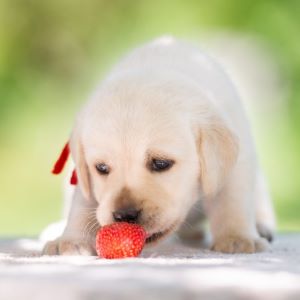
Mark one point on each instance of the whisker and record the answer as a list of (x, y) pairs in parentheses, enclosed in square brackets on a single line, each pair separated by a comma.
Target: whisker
[(188, 224), (92, 220), (92, 229)]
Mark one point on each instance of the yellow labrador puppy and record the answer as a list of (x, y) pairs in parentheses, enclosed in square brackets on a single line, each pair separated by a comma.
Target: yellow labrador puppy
[(164, 135)]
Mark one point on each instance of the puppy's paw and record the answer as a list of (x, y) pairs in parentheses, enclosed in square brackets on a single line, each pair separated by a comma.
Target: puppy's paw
[(239, 244), (265, 231), (63, 246)]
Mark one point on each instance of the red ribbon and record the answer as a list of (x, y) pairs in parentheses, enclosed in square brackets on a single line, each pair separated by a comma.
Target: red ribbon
[(74, 179), (61, 162)]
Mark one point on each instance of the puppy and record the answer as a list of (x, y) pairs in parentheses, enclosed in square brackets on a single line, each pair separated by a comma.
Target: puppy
[(165, 141)]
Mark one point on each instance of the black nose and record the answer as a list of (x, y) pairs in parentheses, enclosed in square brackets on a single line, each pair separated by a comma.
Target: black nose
[(129, 215)]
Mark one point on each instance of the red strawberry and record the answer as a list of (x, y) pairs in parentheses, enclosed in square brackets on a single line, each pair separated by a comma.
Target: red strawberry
[(120, 240)]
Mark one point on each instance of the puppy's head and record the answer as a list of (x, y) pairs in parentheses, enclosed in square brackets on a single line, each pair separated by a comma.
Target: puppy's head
[(142, 157)]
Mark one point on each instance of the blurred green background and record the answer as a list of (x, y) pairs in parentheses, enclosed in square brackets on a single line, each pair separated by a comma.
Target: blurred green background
[(53, 53)]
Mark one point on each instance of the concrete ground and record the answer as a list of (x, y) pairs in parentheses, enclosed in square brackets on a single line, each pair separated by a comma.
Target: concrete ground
[(170, 271)]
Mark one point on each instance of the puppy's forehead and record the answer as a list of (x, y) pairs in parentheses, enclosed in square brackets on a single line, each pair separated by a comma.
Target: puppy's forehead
[(131, 119), (139, 141), (134, 129)]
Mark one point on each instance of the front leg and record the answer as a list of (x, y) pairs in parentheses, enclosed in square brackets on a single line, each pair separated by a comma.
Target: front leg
[(78, 237), (231, 216)]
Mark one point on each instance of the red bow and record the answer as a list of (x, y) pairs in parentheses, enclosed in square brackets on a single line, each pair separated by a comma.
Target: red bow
[(60, 164)]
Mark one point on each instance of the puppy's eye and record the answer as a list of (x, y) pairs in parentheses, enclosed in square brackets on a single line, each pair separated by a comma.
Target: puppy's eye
[(160, 165), (103, 169)]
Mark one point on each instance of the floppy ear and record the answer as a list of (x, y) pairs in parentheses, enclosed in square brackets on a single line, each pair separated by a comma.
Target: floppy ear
[(81, 167), (218, 153)]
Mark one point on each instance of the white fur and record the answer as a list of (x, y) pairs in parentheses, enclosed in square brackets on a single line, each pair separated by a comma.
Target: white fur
[(168, 99)]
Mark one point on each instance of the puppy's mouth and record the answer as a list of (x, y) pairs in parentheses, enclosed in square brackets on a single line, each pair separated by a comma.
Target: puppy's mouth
[(154, 237)]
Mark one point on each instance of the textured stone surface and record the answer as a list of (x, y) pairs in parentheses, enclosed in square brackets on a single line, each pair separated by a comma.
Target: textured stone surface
[(170, 271)]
